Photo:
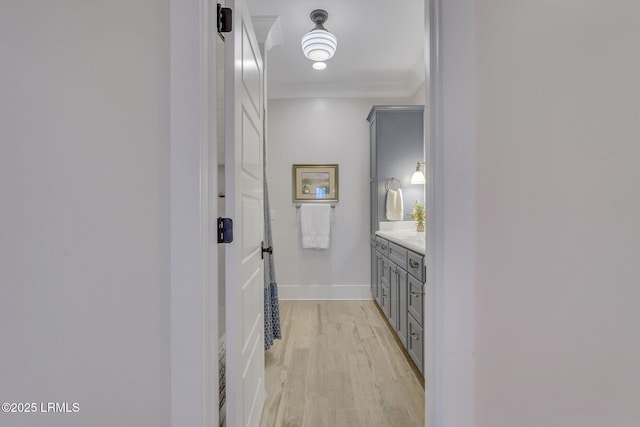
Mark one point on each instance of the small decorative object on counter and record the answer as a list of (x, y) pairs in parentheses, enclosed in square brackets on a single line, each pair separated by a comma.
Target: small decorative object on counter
[(418, 214)]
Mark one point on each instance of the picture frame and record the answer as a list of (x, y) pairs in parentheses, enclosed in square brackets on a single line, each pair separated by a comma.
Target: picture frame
[(315, 183)]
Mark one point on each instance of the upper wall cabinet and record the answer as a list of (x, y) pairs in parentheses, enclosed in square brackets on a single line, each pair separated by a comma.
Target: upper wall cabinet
[(397, 144)]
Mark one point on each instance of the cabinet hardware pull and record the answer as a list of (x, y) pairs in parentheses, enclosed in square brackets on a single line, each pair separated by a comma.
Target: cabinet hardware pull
[(415, 336), (413, 264), (416, 294), (384, 247)]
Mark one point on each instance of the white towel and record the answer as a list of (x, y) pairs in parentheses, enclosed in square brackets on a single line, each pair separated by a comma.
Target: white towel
[(395, 208), (316, 226)]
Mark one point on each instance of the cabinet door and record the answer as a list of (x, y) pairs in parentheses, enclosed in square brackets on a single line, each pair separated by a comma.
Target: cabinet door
[(385, 299), (400, 283), (379, 275), (393, 287), (374, 270), (385, 277)]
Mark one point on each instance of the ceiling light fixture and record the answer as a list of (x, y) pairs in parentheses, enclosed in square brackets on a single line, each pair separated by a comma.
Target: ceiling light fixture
[(319, 44), (319, 65)]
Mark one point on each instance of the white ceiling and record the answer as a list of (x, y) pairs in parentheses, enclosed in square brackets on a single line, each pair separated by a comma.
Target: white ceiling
[(380, 48)]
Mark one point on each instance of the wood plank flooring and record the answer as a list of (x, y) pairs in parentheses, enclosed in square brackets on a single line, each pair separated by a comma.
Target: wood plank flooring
[(339, 365)]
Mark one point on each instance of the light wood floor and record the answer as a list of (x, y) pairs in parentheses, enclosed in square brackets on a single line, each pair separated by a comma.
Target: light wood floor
[(339, 365)]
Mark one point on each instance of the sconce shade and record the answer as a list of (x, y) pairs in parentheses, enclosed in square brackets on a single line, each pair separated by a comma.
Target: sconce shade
[(319, 44), (418, 176)]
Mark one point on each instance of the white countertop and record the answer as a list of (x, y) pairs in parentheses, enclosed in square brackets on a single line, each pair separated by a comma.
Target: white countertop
[(409, 239)]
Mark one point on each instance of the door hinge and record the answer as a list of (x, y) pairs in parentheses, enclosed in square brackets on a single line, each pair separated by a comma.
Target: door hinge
[(225, 230), (225, 19), (268, 250)]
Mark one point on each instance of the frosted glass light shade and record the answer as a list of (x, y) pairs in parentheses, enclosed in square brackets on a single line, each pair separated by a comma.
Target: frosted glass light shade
[(418, 176), (319, 44), (319, 65)]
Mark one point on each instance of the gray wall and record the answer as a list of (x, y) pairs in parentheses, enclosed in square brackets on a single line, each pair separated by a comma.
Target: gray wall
[(84, 223), (340, 135)]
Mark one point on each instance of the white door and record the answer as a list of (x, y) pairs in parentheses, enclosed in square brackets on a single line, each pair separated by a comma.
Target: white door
[(244, 204)]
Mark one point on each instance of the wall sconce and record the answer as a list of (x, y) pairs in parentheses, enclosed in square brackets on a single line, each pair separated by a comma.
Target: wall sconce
[(418, 176)]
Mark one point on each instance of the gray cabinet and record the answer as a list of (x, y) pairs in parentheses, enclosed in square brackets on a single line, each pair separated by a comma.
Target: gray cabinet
[(400, 276), (396, 145)]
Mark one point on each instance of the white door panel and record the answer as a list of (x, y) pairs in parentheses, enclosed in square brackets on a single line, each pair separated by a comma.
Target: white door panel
[(251, 69), (243, 174)]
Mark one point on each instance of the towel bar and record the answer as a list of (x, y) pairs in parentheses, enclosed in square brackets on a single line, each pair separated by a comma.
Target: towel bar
[(333, 205)]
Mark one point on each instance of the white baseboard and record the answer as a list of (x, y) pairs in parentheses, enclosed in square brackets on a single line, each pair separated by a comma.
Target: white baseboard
[(324, 292)]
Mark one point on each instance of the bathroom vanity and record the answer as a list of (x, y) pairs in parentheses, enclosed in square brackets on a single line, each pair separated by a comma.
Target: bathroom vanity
[(397, 266), (399, 286)]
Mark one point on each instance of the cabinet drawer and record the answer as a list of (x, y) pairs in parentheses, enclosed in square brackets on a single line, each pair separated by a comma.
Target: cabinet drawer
[(398, 255), (383, 246), (373, 243), (415, 265), (415, 299), (415, 345)]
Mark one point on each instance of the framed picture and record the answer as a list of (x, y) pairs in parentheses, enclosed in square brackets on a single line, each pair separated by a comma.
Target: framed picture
[(315, 183)]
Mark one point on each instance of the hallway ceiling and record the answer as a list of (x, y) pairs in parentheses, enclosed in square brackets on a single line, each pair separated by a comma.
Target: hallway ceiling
[(380, 48)]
